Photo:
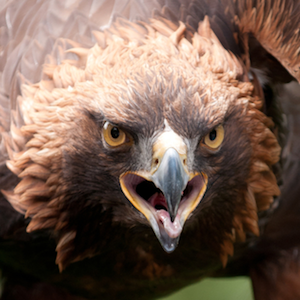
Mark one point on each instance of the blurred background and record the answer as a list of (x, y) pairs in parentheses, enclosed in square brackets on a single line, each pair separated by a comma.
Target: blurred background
[(238, 288)]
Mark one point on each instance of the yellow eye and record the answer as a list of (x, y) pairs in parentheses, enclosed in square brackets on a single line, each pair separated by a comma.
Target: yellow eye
[(215, 138), (113, 135)]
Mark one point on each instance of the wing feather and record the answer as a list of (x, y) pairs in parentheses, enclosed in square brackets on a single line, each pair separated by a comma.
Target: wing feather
[(275, 25)]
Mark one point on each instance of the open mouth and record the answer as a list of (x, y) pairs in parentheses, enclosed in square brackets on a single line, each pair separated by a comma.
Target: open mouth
[(151, 201), (147, 191), (166, 194), (154, 196)]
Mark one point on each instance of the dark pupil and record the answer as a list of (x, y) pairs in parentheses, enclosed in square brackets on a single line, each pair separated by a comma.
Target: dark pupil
[(115, 133), (213, 135)]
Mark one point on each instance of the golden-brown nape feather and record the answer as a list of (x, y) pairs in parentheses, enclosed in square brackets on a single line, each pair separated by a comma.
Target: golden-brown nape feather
[(262, 184)]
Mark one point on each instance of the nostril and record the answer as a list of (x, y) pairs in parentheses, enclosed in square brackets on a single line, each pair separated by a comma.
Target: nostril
[(184, 162), (156, 161)]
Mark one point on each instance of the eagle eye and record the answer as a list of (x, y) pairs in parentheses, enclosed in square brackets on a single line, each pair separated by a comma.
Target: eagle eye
[(113, 135), (215, 137)]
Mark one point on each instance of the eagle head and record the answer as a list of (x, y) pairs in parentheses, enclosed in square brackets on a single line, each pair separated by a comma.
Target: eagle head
[(148, 127)]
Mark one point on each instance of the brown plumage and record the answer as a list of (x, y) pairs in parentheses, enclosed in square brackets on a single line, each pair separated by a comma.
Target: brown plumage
[(121, 116)]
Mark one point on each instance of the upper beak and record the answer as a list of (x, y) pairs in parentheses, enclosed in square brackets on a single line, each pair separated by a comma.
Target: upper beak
[(168, 193), (171, 179)]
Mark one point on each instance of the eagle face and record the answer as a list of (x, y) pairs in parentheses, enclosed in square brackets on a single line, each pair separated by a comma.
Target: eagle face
[(157, 131)]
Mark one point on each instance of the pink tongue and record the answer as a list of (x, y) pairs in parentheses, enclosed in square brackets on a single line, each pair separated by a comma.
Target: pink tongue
[(163, 218), (172, 229)]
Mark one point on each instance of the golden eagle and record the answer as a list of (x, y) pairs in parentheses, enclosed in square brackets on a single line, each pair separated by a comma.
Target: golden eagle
[(143, 146)]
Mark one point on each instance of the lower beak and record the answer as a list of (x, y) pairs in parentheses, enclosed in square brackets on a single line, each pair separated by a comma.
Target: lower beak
[(166, 197)]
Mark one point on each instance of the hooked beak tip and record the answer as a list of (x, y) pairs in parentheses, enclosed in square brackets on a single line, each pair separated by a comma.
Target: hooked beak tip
[(169, 244)]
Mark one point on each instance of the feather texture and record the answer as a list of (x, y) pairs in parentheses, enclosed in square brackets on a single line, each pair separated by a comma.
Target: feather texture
[(67, 68)]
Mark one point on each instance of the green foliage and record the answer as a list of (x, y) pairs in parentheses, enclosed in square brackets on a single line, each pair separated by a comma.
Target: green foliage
[(238, 288)]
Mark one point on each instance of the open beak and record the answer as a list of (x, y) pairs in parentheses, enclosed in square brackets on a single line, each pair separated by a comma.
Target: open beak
[(166, 195)]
